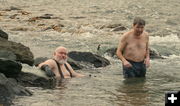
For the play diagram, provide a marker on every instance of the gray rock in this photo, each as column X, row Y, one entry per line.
column 32, row 80
column 39, row 60
column 9, row 88
column 14, row 8
column 154, row 54
column 3, row 34
column 111, row 52
column 46, row 16
column 119, row 28
column 113, row 25
column 7, row 55
column 23, row 53
column 75, row 65
column 89, row 57
column 10, row 68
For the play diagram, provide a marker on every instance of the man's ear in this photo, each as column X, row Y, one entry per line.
column 54, row 53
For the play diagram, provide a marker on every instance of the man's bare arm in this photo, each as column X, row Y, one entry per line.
column 120, row 49
column 47, row 67
column 121, row 46
column 47, row 62
column 74, row 74
column 147, row 56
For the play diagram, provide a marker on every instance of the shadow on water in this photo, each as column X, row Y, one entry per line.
column 57, row 83
column 61, row 84
column 133, row 92
column 44, row 96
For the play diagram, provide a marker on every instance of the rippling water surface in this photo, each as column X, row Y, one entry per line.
column 106, row 87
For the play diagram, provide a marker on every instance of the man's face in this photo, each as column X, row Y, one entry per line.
column 61, row 56
column 138, row 29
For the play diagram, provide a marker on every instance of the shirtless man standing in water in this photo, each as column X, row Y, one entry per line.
column 133, row 50
column 58, row 66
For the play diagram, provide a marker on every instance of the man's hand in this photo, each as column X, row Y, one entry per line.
column 127, row 64
column 147, row 62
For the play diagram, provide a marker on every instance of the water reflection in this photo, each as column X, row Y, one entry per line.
column 61, row 84
column 133, row 92
column 44, row 96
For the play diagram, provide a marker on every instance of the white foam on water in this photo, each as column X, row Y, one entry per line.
column 166, row 39
column 87, row 35
column 174, row 56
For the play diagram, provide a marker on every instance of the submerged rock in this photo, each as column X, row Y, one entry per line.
column 114, row 27
column 154, row 54
column 111, row 52
column 14, row 8
column 120, row 28
column 46, row 16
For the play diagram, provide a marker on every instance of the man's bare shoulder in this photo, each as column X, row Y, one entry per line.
column 68, row 65
column 126, row 35
column 146, row 34
column 49, row 62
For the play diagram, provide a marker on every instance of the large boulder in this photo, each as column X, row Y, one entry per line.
column 89, row 57
column 111, row 52
column 3, row 34
column 32, row 80
column 9, row 88
column 10, row 68
column 154, row 54
column 114, row 27
column 74, row 64
column 7, row 55
column 39, row 60
column 23, row 53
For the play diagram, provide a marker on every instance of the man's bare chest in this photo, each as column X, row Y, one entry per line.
column 136, row 44
column 62, row 70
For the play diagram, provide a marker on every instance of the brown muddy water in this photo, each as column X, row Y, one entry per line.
column 84, row 30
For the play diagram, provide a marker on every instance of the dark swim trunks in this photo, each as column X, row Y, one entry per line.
column 138, row 69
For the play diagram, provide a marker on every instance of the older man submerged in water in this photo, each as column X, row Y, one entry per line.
column 133, row 50
column 58, row 65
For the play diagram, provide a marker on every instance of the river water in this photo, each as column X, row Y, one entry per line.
column 83, row 21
